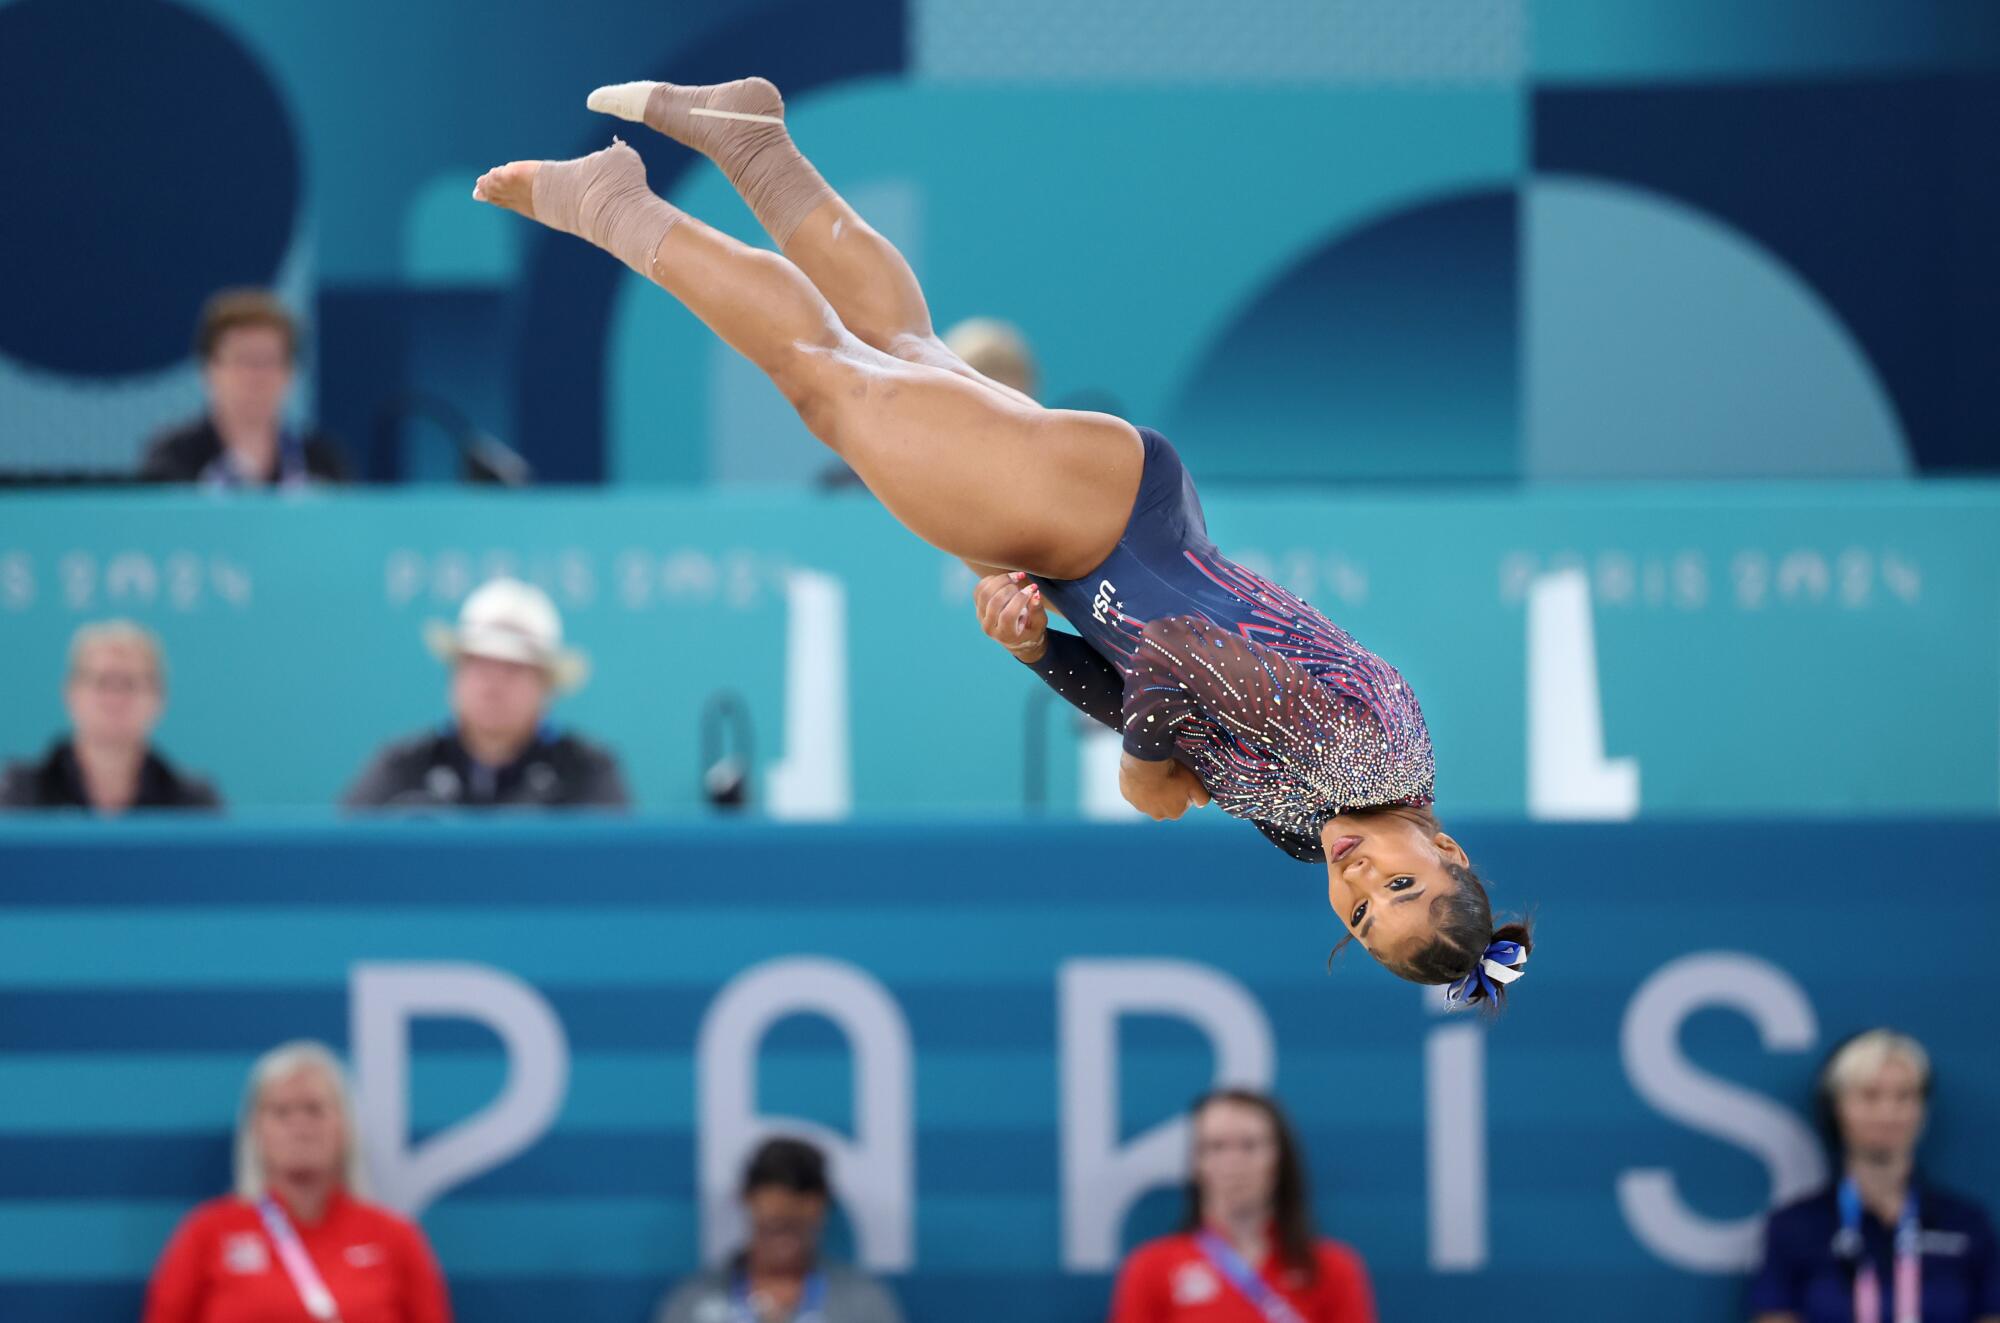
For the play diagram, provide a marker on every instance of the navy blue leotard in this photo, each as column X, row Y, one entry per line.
column 1284, row 717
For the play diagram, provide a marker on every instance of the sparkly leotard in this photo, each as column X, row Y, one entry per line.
column 1284, row 717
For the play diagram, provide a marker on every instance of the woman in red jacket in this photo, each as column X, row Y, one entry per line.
column 1246, row 1252
column 296, row 1243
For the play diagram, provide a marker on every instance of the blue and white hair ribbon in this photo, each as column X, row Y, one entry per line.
column 1502, row 964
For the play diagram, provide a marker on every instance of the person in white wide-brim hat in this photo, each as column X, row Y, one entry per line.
column 510, row 621
column 508, row 662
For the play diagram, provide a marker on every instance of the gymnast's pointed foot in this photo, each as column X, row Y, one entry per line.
column 510, row 186
column 601, row 197
column 723, row 121
column 741, row 127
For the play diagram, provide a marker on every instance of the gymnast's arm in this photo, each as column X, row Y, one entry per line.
column 1156, row 785
column 1012, row 613
column 1081, row 676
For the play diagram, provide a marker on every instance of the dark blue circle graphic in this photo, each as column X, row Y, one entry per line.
column 148, row 161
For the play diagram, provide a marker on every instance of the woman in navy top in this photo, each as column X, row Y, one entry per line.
column 1226, row 687
column 1880, row 1245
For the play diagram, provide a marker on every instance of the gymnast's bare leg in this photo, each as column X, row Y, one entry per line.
column 972, row 468
column 740, row 126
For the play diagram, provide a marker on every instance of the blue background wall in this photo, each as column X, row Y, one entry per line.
column 142, row 969
column 1415, row 239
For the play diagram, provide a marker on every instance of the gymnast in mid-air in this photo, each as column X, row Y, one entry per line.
column 1225, row 687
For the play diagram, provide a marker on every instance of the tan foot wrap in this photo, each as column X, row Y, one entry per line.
column 740, row 126
column 603, row 197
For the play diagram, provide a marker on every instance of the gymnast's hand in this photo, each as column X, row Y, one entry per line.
column 1012, row 613
column 1160, row 790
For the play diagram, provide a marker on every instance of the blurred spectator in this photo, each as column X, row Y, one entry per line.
column 296, row 1240
column 998, row 350
column 507, row 662
column 1882, row 1242
column 1246, row 1251
column 780, row 1275
column 248, row 345
column 115, row 693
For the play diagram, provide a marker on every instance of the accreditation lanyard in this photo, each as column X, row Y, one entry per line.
column 1909, row 1263
column 221, row 473
column 298, row 1265
column 1225, row 1260
column 810, row 1300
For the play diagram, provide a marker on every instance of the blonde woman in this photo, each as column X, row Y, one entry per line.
column 296, row 1242
column 1881, row 1244
column 116, row 693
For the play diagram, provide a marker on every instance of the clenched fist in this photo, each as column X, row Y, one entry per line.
column 1160, row 790
column 1012, row 613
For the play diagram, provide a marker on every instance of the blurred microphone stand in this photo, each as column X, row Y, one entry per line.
column 725, row 773
column 483, row 459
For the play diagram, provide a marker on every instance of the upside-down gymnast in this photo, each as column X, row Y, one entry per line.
column 1224, row 686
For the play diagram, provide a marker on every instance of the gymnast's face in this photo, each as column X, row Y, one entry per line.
column 1383, row 871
